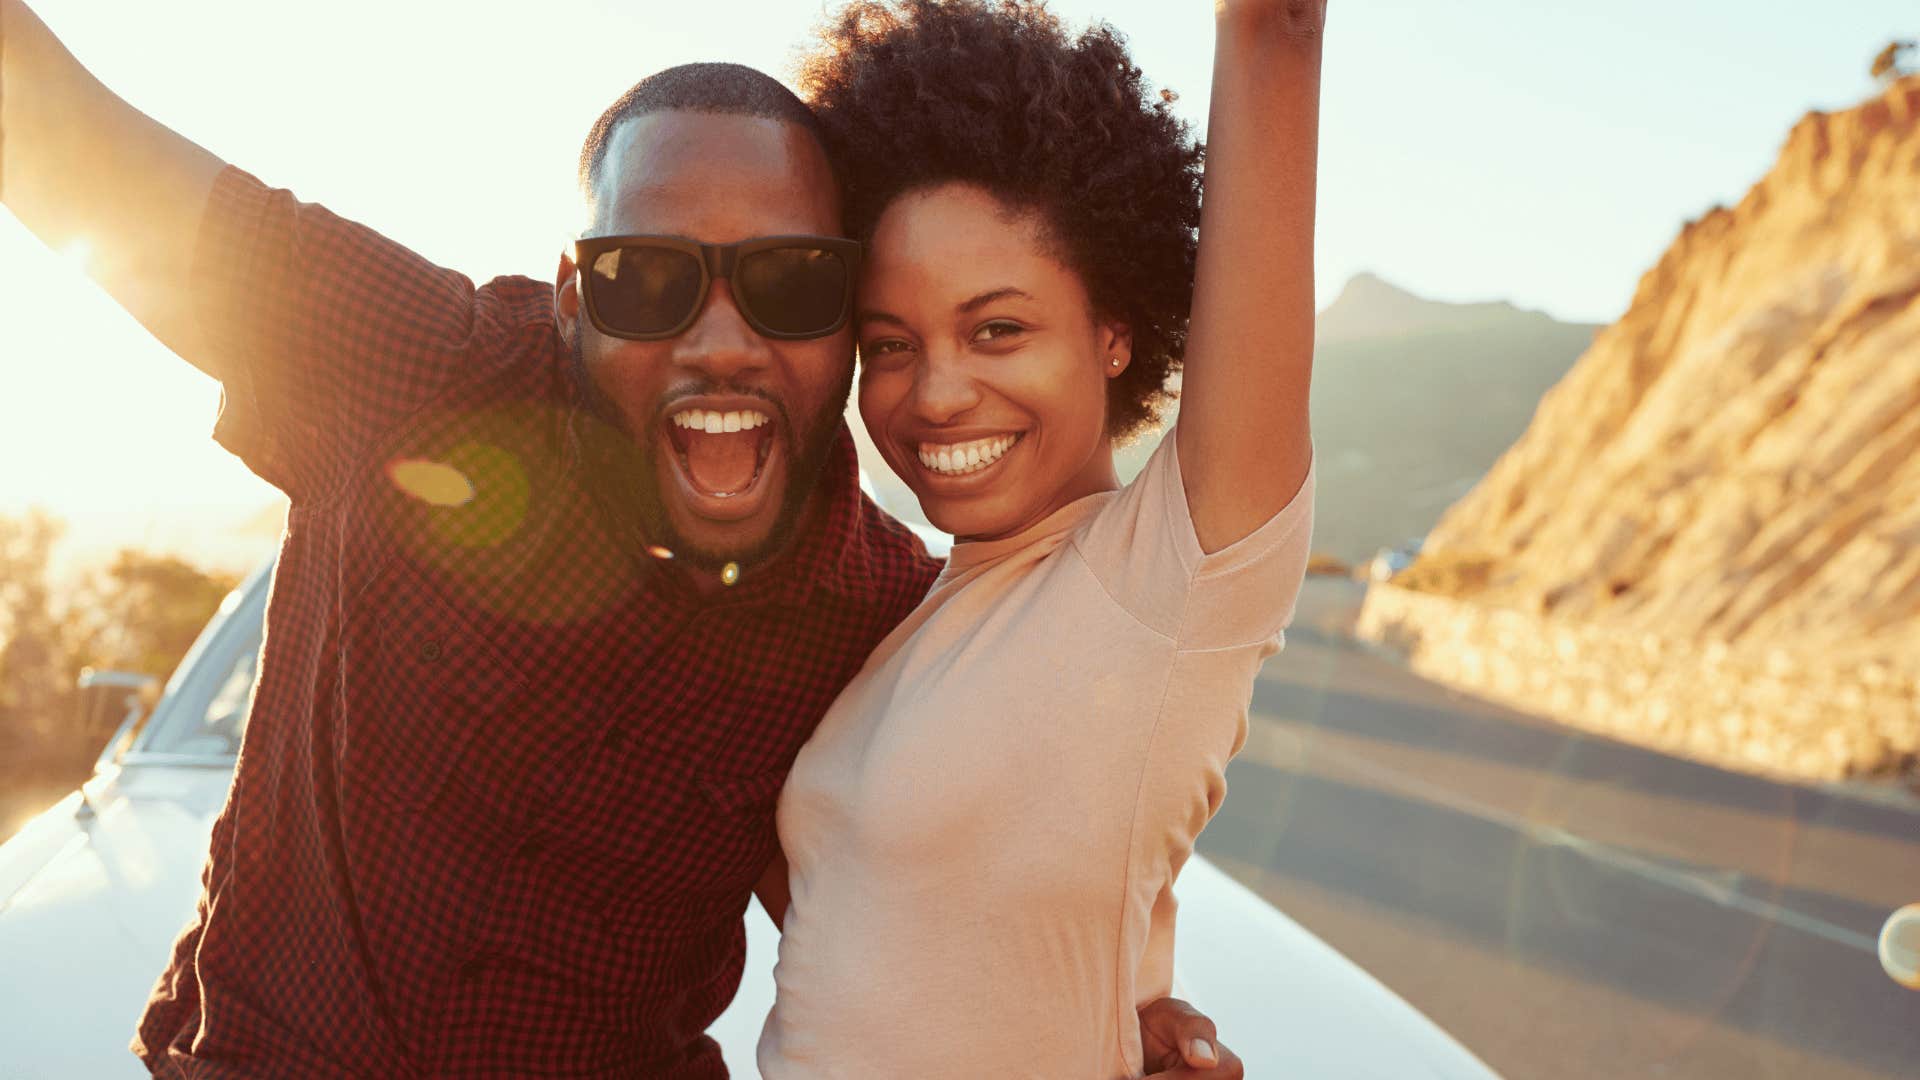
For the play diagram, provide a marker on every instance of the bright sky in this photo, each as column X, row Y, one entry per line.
column 1541, row 152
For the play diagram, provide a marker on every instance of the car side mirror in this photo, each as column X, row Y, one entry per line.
column 113, row 700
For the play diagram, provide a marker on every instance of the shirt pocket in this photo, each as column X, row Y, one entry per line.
column 741, row 837
column 437, row 719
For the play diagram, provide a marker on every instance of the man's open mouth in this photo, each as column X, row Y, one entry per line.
column 722, row 457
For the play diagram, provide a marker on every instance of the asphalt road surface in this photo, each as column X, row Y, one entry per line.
column 1565, row 905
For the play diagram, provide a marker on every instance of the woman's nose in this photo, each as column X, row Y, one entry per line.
column 943, row 390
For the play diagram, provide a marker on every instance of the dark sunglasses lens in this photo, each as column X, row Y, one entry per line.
column 644, row 290
column 797, row 290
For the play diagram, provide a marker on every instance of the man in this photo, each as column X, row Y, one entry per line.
column 571, row 572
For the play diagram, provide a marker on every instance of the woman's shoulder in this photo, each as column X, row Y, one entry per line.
column 1145, row 549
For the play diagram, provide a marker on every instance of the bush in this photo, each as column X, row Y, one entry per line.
column 139, row 613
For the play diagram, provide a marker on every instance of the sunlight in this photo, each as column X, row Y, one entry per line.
column 77, row 255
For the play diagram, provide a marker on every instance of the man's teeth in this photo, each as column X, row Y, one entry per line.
column 958, row 459
column 714, row 423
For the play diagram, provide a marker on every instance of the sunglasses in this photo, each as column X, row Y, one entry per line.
column 645, row 288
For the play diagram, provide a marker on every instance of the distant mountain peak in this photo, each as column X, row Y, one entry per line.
column 1367, row 285
column 1370, row 307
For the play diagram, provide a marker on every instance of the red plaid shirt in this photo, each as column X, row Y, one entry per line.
column 508, row 782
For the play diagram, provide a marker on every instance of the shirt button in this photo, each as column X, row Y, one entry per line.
column 430, row 650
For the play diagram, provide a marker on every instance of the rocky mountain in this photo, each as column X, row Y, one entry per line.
column 1739, row 455
column 1735, row 465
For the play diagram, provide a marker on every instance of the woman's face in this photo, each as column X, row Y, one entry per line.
column 984, row 369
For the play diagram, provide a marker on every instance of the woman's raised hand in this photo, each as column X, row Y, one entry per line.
column 1299, row 18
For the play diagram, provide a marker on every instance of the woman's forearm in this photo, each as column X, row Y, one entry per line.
column 1244, row 443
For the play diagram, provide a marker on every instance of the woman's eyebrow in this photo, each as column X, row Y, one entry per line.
column 867, row 315
column 988, row 297
column 870, row 315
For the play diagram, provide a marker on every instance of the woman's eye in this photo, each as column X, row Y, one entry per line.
column 997, row 329
column 889, row 348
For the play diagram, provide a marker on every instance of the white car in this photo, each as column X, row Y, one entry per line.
column 93, row 891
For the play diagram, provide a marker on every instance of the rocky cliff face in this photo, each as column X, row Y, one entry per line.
column 1738, row 458
column 1708, row 540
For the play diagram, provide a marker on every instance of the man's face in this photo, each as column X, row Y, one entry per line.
column 731, row 495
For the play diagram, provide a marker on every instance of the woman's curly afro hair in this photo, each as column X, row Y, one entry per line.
column 916, row 93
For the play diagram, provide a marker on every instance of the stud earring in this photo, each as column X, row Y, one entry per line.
column 1116, row 361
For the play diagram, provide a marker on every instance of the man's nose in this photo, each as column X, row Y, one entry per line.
column 943, row 389
column 720, row 345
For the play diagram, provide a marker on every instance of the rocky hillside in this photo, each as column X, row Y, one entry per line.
column 1736, row 462
column 1739, row 456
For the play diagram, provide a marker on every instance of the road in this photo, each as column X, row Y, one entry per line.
column 1569, row 906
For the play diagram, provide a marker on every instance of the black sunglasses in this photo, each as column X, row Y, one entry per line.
column 646, row 288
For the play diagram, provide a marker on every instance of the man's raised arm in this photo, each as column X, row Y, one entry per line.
column 77, row 162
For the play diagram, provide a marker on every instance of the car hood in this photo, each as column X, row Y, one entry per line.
column 90, row 902
column 92, row 893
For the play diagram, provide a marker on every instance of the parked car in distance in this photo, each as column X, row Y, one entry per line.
column 1390, row 561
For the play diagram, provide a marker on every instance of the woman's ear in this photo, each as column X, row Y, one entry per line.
column 1116, row 344
column 566, row 300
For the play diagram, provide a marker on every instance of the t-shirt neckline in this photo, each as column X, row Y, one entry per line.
column 970, row 553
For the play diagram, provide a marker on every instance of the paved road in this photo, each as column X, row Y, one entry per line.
column 1565, row 905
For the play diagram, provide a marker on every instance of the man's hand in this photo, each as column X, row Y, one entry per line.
column 1179, row 1042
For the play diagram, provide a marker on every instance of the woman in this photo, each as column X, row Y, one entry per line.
column 984, row 832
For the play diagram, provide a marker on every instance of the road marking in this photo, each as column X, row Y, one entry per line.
column 1720, row 889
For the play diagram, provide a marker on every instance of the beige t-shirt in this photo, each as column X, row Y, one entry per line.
column 985, row 829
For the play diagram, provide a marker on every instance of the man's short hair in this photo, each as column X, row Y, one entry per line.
column 733, row 89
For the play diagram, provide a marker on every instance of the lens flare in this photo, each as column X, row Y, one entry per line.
column 1900, row 946
column 435, row 483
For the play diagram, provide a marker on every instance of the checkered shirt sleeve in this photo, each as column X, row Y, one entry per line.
column 325, row 334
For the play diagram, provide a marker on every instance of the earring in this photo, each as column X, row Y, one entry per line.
column 1116, row 361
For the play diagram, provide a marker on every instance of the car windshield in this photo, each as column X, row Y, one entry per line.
column 204, row 712
column 216, row 729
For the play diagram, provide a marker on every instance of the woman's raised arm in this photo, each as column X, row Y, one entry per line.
column 1243, row 428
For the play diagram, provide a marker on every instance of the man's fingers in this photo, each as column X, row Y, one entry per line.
column 1229, row 1067
column 1196, row 1037
column 1172, row 1023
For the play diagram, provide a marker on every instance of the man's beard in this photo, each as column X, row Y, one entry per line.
column 625, row 468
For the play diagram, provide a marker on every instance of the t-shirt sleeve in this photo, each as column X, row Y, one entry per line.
column 1143, row 548
column 325, row 334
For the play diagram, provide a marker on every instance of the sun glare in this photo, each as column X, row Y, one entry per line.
column 78, row 255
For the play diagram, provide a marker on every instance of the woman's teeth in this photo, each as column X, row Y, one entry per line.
column 959, row 459
column 714, row 423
